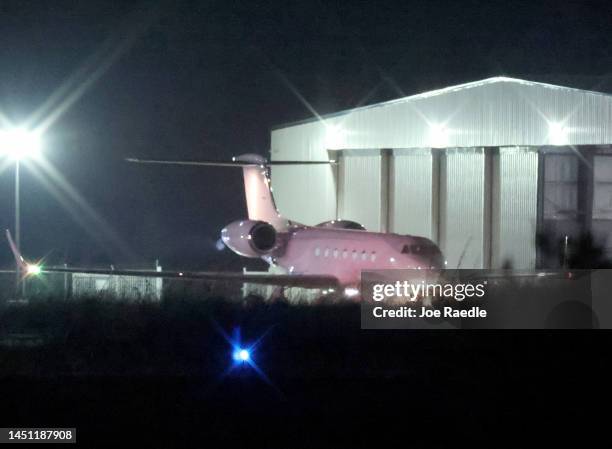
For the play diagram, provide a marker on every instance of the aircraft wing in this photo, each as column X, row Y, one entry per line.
column 526, row 274
column 284, row 280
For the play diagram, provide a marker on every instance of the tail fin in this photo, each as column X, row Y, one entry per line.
column 255, row 168
column 259, row 198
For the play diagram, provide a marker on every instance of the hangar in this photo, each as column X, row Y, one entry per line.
column 480, row 168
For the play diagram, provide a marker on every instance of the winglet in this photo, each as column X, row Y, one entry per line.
column 18, row 257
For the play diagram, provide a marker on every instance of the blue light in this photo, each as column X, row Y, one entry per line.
column 241, row 355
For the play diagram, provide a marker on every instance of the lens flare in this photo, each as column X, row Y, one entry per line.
column 19, row 143
column 351, row 292
column 242, row 355
column 33, row 270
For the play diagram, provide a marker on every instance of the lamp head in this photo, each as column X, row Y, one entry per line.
column 19, row 143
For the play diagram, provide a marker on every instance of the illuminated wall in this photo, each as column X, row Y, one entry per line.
column 460, row 165
column 362, row 189
column 413, row 192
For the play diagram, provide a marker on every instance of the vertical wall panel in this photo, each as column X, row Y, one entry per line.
column 463, row 208
column 515, row 208
column 413, row 193
column 306, row 194
column 360, row 189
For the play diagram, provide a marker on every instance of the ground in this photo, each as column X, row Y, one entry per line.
column 158, row 376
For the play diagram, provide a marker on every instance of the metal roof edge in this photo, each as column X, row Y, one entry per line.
column 436, row 92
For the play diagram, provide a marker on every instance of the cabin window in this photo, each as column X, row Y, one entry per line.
column 317, row 252
column 373, row 256
column 326, row 252
column 364, row 255
column 345, row 254
column 335, row 253
column 354, row 254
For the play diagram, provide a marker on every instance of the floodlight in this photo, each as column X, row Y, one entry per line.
column 33, row 270
column 438, row 135
column 335, row 137
column 19, row 143
column 557, row 133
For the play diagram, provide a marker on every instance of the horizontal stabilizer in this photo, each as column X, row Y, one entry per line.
column 234, row 163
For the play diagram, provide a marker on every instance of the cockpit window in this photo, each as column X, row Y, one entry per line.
column 406, row 249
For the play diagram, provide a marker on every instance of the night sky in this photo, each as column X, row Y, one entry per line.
column 209, row 79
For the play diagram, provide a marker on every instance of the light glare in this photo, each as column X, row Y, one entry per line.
column 19, row 144
column 33, row 270
column 335, row 137
column 219, row 245
column 438, row 135
column 350, row 292
column 557, row 133
column 242, row 355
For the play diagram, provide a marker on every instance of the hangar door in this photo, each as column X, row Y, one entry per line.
column 413, row 192
column 464, row 207
column 514, row 207
column 576, row 201
column 602, row 202
column 362, row 188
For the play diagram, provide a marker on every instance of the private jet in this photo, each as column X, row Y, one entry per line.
column 330, row 255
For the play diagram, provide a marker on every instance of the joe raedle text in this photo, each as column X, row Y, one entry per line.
column 428, row 312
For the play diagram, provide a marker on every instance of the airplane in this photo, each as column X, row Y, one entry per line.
column 330, row 255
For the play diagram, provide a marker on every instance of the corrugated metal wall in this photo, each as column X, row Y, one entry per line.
column 306, row 194
column 361, row 192
column 488, row 113
column 464, row 211
column 413, row 192
column 515, row 207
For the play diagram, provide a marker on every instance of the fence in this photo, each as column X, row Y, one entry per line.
column 125, row 287
column 292, row 294
column 65, row 285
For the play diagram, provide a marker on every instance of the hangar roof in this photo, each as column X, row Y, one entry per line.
column 497, row 111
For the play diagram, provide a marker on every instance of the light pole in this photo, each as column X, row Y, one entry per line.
column 19, row 144
column 18, row 232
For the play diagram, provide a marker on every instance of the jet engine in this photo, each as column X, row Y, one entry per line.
column 250, row 238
